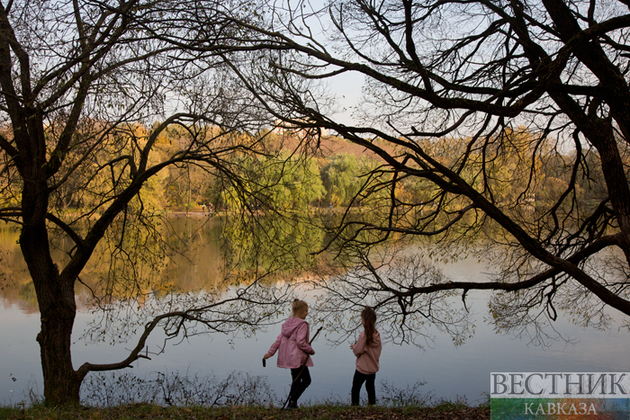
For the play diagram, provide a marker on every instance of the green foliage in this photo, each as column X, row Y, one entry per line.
column 340, row 178
column 283, row 183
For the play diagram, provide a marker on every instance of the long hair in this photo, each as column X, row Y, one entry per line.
column 299, row 305
column 369, row 323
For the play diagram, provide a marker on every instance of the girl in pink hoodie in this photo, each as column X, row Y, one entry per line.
column 294, row 350
column 368, row 351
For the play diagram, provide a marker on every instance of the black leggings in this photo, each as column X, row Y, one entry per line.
column 301, row 380
column 357, row 382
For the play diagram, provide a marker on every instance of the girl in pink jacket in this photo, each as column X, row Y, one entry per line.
column 294, row 350
column 368, row 351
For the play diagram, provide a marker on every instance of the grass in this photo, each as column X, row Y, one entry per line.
column 239, row 397
column 440, row 411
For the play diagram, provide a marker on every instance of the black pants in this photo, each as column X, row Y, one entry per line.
column 301, row 380
column 357, row 382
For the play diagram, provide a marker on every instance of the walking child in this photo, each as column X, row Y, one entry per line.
column 367, row 349
column 293, row 350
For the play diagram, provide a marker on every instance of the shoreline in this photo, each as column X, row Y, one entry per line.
column 442, row 411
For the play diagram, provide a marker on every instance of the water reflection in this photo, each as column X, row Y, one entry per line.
column 192, row 254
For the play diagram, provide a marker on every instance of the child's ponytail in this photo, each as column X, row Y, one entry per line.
column 369, row 323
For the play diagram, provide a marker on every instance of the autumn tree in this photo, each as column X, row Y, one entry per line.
column 89, row 89
column 340, row 177
column 512, row 85
column 277, row 185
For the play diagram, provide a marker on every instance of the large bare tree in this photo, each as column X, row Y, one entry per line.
column 94, row 108
column 506, row 119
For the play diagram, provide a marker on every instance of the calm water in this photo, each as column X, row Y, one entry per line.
column 449, row 371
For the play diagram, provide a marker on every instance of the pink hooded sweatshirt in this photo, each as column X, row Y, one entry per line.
column 368, row 356
column 293, row 344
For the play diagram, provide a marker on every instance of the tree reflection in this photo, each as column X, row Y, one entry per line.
column 190, row 275
column 388, row 279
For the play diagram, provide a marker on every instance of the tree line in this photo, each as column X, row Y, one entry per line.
column 284, row 181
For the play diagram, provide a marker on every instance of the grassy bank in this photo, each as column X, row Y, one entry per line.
column 319, row 412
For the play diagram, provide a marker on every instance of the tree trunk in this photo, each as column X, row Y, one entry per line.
column 55, row 297
column 61, row 383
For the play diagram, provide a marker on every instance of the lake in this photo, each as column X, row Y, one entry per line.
column 447, row 371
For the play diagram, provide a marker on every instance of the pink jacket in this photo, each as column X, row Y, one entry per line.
column 292, row 344
column 367, row 356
